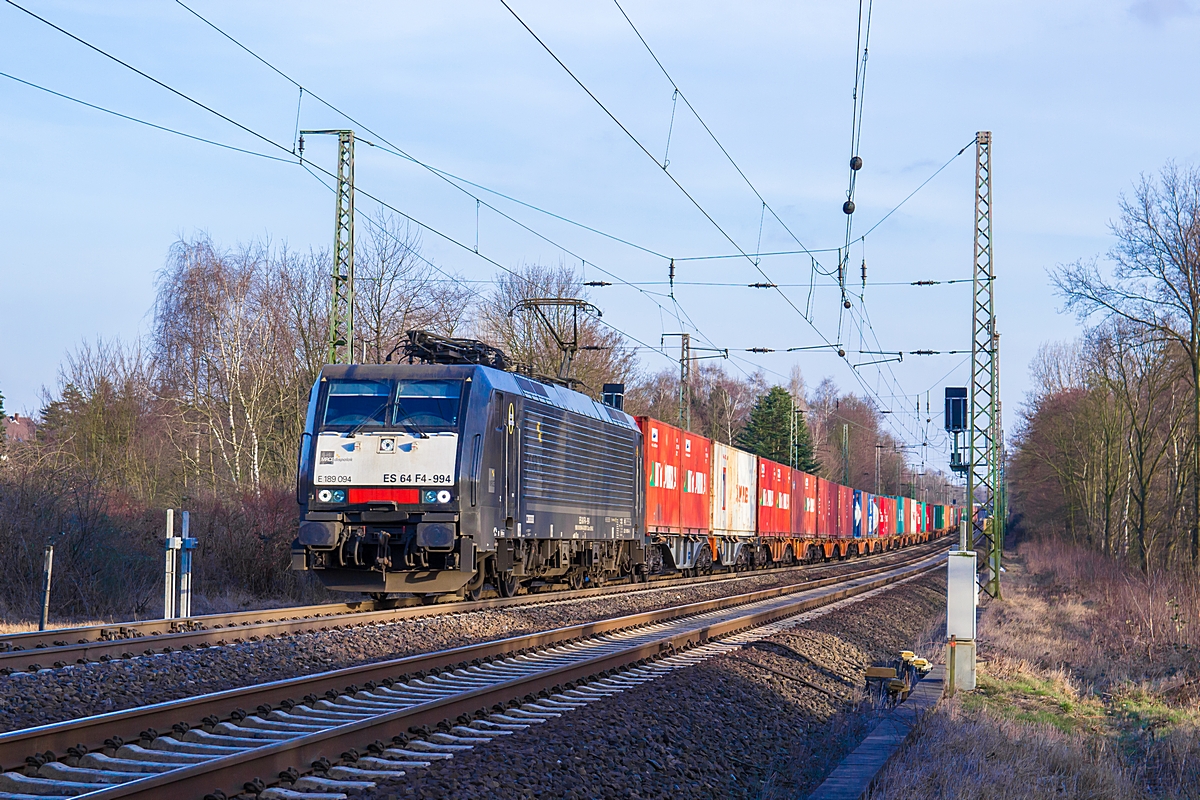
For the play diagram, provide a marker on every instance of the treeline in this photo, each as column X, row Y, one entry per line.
column 1106, row 452
column 205, row 413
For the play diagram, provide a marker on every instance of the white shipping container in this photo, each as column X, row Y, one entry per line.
column 734, row 480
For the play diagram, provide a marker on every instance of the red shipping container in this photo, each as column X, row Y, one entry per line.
column 695, row 466
column 661, row 451
column 929, row 517
column 845, row 512
column 774, row 498
column 804, row 503
column 826, row 508
column 887, row 516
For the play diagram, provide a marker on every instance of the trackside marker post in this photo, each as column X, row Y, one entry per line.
column 185, row 568
column 47, row 568
column 170, row 588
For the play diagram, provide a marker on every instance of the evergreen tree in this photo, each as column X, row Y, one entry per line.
column 768, row 433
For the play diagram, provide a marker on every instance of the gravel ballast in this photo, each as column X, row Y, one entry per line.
column 770, row 720
column 52, row 695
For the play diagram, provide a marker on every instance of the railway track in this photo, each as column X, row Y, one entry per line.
column 36, row 650
column 319, row 736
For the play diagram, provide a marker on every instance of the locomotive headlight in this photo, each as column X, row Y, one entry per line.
column 339, row 495
column 325, row 496
column 443, row 496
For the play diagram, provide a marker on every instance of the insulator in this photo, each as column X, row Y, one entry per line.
column 848, row 207
column 856, row 163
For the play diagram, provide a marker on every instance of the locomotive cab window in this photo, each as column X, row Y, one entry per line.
column 357, row 403
column 428, row 405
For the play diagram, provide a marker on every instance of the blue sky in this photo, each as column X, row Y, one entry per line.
column 1081, row 97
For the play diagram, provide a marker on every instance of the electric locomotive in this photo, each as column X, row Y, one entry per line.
column 432, row 478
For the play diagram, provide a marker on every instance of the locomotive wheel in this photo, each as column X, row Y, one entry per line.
column 508, row 584
column 474, row 589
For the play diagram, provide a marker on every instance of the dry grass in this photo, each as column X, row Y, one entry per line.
column 1089, row 686
column 24, row 626
column 982, row 755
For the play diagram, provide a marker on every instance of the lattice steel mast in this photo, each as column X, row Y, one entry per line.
column 984, row 473
column 341, row 301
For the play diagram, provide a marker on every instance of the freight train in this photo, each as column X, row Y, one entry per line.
column 434, row 478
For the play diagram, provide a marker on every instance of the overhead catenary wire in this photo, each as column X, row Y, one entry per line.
column 454, row 180
column 285, row 149
column 638, row 143
column 672, row 178
column 451, row 178
column 262, row 137
column 147, row 123
column 679, row 92
column 855, row 163
column 398, row 151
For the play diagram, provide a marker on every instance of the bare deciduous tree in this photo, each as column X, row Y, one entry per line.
column 1155, row 283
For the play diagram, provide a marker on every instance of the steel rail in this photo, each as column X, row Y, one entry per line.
column 231, row 773
column 40, row 640
column 129, row 724
column 194, row 632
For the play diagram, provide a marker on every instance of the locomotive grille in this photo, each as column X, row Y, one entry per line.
column 576, row 460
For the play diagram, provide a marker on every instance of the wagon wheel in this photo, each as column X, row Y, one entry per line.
column 575, row 578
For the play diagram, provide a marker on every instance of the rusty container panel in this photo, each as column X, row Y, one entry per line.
column 774, row 499
column 733, row 490
column 695, row 472
column 804, row 503
column 660, row 462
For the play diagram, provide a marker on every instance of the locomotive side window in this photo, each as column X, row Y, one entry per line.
column 428, row 404
column 361, row 403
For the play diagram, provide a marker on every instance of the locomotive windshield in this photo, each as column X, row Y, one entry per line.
column 424, row 405
column 428, row 404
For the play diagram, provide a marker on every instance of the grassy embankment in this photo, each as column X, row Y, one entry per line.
column 1089, row 687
